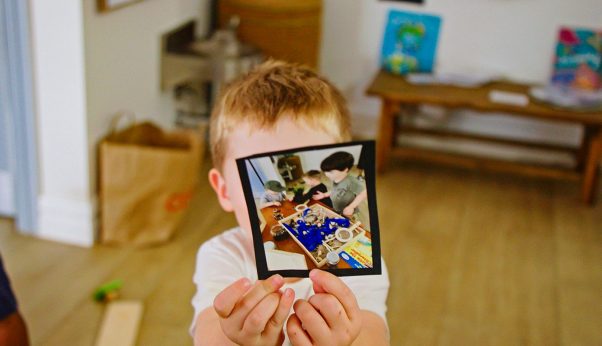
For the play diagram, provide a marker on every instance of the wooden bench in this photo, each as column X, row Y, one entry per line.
column 401, row 98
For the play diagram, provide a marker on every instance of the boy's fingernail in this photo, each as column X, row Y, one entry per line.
column 313, row 274
column 246, row 283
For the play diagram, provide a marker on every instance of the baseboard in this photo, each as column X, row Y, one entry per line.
column 67, row 221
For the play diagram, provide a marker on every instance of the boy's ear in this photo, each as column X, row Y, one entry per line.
column 218, row 183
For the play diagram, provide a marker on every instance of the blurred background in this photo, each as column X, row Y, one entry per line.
column 488, row 122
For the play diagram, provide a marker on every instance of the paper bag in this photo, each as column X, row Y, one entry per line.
column 146, row 180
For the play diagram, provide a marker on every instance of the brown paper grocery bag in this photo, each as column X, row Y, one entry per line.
column 147, row 178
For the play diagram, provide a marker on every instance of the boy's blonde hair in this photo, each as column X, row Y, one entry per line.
column 270, row 91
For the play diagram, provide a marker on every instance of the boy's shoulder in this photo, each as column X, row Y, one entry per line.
column 228, row 253
column 349, row 180
column 352, row 178
column 233, row 242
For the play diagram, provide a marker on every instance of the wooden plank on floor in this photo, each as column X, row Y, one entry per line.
column 120, row 323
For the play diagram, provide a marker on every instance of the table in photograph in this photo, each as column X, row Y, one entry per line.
column 401, row 98
column 288, row 208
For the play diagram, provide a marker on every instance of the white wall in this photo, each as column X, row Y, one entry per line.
column 122, row 50
column 65, row 205
column 87, row 67
column 267, row 168
column 511, row 38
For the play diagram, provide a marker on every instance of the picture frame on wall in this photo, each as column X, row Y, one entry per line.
column 112, row 5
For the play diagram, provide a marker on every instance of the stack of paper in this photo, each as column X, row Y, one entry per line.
column 282, row 260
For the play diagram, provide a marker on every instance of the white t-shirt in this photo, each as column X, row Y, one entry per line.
column 229, row 256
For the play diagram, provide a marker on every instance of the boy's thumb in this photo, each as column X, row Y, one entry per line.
column 315, row 276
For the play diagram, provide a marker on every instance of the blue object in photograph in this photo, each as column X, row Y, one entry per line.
column 351, row 261
column 410, row 42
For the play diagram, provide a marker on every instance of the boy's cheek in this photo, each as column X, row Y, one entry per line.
column 239, row 205
column 235, row 194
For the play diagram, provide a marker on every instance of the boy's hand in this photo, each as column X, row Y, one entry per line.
column 348, row 211
column 254, row 314
column 318, row 196
column 277, row 204
column 330, row 317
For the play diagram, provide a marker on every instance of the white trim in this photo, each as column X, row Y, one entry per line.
column 67, row 220
column 65, row 211
column 7, row 203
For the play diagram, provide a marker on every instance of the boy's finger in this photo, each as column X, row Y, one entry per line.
column 313, row 322
column 295, row 332
column 275, row 324
column 330, row 308
column 325, row 282
column 317, row 285
column 258, row 318
column 256, row 294
column 225, row 301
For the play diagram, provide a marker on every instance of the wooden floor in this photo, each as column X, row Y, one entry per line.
column 474, row 259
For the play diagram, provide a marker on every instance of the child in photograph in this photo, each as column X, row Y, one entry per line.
column 277, row 106
column 273, row 194
column 313, row 179
column 347, row 191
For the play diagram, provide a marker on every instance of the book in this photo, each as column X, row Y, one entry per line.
column 578, row 59
column 359, row 253
column 410, row 42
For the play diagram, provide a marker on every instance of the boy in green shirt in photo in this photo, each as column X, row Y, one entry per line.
column 347, row 191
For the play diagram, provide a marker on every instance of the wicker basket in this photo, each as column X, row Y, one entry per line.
column 282, row 29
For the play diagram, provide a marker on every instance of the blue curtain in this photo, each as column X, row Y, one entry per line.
column 16, row 96
column 4, row 99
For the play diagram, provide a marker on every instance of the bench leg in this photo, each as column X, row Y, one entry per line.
column 591, row 165
column 386, row 130
column 583, row 151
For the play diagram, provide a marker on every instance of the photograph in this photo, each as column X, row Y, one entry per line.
column 313, row 207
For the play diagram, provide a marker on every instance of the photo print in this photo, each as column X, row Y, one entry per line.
column 313, row 207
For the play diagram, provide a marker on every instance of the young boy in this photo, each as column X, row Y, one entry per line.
column 347, row 191
column 273, row 195
column 277, row 106
column 313, row 179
